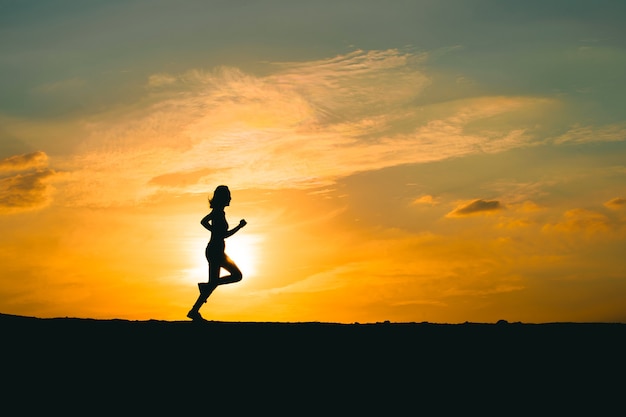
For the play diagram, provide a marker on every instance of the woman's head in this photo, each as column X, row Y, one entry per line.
column 221, row 197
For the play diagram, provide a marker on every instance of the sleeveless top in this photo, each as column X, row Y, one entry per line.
column 219, row 227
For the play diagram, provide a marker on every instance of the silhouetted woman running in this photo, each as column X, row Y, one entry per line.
column 216, row 223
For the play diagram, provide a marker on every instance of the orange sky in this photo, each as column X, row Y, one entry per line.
column 470, row 168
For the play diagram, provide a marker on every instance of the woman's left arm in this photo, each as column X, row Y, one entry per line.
column 235, row 229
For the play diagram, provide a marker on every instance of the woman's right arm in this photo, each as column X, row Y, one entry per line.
column 205, row 222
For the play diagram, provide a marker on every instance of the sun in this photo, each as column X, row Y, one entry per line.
column 242, row 249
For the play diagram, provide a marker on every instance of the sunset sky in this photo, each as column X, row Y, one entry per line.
column 441, row 161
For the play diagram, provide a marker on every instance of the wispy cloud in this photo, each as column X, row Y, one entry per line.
column 581, row 221
column 160, row 80
column 181, row 179
column 585, row 134
column 354, row 85
column 304, row 125
column 426, row 199
column 518, row 192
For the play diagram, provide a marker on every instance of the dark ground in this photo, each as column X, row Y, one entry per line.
column 83, row 366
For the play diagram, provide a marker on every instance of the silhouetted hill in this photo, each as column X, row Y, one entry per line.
column 306, row 368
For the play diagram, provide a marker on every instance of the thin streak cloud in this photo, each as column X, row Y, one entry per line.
column 616, row 203
column 586, row 134
column 476, row 207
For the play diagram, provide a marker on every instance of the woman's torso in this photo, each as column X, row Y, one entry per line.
column 219, row 227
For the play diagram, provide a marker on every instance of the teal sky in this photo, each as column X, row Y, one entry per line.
column 470, row 153
column 108, row 47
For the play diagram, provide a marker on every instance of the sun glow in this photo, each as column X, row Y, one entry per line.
column 243, row 249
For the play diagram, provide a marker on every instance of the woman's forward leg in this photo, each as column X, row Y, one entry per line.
column 235, row 273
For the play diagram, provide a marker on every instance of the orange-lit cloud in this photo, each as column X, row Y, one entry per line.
column 425, row 199
column 27, row 184
column 25, row 191
column 585, row 134
column 181, row 179
column 305, row 125
column 476, row 207
column 581, row 220
column 617, row 203
column 25, row 161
